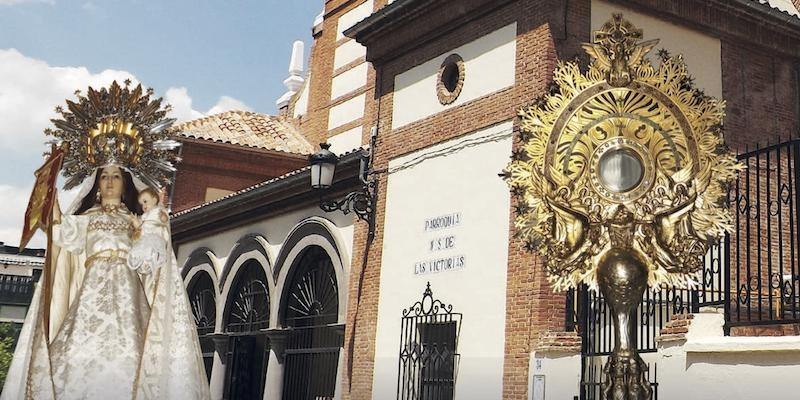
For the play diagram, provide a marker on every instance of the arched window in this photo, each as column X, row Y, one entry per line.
column 313, row 293
column 246, row 314
column 311, row 311
column 248, row 302
column 202, row 299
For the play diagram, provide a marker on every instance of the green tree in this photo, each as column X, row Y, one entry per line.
column 8, row 337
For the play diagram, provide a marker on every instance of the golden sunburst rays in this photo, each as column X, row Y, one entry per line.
column 116, row 125
column 653, row 115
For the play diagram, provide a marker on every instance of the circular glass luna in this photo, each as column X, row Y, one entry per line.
column 620, row 170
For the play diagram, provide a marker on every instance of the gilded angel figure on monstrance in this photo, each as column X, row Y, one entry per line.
column 101, row 326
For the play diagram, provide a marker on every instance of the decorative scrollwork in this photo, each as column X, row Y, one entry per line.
column 250, row 307
column 787, row 291
column 313, row 297
column 625, row 107
column 428, row 305
column 359, row 202
column 204, row 310
column 743, row 295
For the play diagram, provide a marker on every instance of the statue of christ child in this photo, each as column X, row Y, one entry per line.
column 149, row 250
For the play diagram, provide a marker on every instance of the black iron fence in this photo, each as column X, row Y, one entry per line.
column 762, row 273
column 753, row 273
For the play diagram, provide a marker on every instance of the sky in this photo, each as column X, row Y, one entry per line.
column 203, row 57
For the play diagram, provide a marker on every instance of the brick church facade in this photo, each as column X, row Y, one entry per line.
column 432, row 88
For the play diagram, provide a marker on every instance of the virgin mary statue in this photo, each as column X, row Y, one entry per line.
column 98, row 326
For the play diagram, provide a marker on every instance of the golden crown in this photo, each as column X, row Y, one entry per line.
column 116, row 126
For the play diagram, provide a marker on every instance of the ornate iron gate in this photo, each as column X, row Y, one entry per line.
column 315, row 340
column 754, row 273
column 428, row 364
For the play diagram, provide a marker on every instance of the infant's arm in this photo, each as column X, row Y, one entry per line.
column 162, row 216
column 136, row 224
column 135, row 221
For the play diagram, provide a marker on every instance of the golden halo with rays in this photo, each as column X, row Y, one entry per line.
column 116, row 125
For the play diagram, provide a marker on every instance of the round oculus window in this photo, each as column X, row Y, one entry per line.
column 451, row 79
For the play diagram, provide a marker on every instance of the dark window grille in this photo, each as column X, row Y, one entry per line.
column 428, row 363
column 16, row 289
column 249, row 308
column 247, row 367
column 314, row 340
column 246, row 314
column 202, row 299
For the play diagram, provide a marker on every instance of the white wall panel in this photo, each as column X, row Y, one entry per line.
column 347, row 52
column 347, row 141
column 345, row 112
column 353, row 16
column 454, row 177
column 489, row 64
column 350, row 80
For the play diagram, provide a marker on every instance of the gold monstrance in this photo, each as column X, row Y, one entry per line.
column 620, row 181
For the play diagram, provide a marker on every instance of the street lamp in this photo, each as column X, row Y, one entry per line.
column 361, row 201
column 323, row 164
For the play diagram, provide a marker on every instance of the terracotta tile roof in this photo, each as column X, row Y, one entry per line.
column 249, row 129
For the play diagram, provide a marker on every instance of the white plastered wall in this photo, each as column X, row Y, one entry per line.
column 553, row 375
column 346, row 142
column 347, row 111
column 489, row 65
column 347, row 52
column 726, row 367
column 700, row 51
column 350, row 80
column 352, row 17
column 457, row 176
